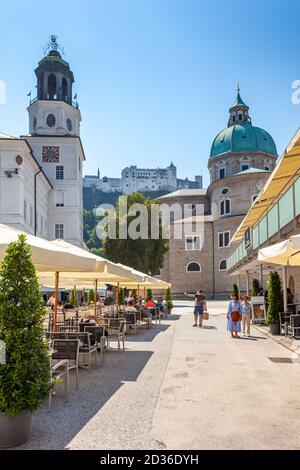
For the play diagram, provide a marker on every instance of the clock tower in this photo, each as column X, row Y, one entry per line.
column 54, row 135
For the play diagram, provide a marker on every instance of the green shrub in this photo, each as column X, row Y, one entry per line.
column 25, row 379
column 235, row 291
column 72, row 297
column 275, row 298
column 169, row 298
column 135, row 295
column 109, row 301
column 121, row 296
column 255, row 287
column 149, row 295
column 91, row 298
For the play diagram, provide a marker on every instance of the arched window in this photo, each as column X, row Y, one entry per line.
column 225, row 207
column 64, row 89
column 223, row 265
column 222, row 172
column 193, row 267
column 52, row 87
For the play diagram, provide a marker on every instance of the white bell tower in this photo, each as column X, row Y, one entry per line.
column 54, row 127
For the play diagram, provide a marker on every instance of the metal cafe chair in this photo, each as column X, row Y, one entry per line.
column 119, row 335
column 67, row 349
column 294, row 327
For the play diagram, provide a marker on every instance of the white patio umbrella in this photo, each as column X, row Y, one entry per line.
column 51, row 257
column 105, row 271
column 147, row 282
column 286, row 253
column 45, row 255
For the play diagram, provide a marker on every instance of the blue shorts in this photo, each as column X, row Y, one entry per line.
column 198, row 310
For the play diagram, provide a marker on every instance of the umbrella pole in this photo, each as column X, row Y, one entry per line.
column 261, row 276
column 138, row 293
column 239, row 284
column 118, row 297
column 248, row 282
column 96, row 291
column 56, row 301
column 75, row 302
column 285, row 300
column 75, row 296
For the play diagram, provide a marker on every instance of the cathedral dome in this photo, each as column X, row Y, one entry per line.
column 240, row 135
column 243, row 138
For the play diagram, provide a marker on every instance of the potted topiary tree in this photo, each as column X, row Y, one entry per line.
column 235, row 291
column 168, row 301
column 149, row 295
column 25, row 376
column 91, row 298
column 72, row 297
column 109, row 300
column 255, row 288
column 275, row 303
column 121, row 296
column 135, row 295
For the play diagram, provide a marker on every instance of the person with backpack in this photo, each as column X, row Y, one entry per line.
column 234, row 317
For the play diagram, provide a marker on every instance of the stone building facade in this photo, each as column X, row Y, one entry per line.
column 241, row 159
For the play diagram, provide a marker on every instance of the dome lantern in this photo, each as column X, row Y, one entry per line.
column 239, row 111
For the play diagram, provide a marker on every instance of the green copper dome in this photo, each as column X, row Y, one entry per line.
column 240, row 135
column 243, row 138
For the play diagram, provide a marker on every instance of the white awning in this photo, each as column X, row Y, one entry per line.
column 286, row 253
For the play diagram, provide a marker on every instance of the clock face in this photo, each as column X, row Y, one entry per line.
column 50, row 154
column 19, row 159
column 69, row 124
column 51, row 120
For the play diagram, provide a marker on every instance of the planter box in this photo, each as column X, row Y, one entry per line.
column 274, row 328
column 14, row 430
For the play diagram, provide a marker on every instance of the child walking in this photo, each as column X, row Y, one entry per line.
column 246, row 315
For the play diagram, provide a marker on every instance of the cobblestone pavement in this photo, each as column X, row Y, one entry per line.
column 178, row 387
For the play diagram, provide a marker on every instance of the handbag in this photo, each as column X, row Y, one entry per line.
column 205, row 315
column 235, row 316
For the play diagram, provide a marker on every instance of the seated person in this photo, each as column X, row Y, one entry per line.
column 160, row 304
column 150, row 304
column 130, row 307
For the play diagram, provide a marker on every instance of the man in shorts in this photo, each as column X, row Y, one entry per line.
column 200, row 306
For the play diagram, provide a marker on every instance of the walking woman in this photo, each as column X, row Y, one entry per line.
column 234, row 317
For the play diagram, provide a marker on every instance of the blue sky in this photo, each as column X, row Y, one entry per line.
column 155, row 78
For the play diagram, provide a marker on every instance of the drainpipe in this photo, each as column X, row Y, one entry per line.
column 35, row 201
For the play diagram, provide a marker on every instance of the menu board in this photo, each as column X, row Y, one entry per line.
column 258, row 309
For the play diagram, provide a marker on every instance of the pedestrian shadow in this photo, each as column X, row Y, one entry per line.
column 209, row 327
column 252, row 338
